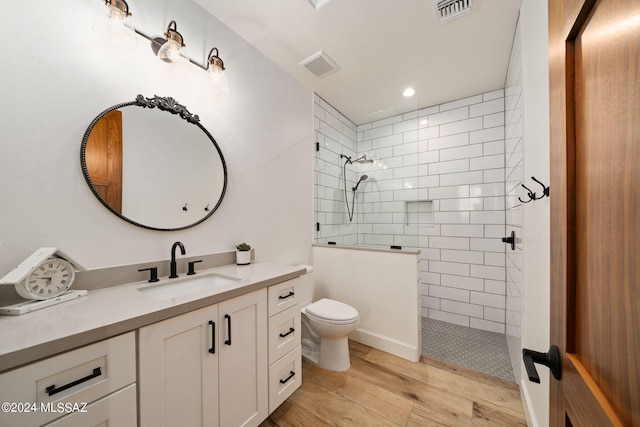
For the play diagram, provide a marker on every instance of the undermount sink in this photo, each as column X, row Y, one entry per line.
column 171, row 288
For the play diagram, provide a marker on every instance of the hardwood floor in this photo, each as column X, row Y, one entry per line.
column 384, row 390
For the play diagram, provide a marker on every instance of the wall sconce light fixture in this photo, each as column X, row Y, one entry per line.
column 216, row 78
column 111, row 24
column 171, row 50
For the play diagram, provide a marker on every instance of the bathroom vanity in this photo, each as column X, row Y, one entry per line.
column 226, row 355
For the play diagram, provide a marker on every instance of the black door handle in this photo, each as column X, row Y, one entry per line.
column 212, row 350
column 551, row 360
column 228, row 340
column 511, row 240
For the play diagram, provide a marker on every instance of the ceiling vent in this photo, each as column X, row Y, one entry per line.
column 451, row 9
column 320, row 64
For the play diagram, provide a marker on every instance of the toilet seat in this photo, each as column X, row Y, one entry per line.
column 331, row 311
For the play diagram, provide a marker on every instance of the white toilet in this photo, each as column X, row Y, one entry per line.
column 325, row 326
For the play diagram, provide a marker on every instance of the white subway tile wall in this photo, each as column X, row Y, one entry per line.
column 438, row 185
column 514, row 121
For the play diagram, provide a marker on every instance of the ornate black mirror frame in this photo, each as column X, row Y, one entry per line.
column 169, row 105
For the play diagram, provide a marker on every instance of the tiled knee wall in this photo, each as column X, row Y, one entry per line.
column 437, row 184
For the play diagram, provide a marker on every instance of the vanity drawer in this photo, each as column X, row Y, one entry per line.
column 117, row 409
column 285, row 376
column 282, row 296
column 284, row 333
column 79, row 376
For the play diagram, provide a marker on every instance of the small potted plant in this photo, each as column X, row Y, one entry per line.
column 243, row 254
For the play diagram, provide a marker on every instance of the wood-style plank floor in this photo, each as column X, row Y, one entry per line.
column 384, row 390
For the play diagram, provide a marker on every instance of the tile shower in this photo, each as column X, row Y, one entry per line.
column 438, row 185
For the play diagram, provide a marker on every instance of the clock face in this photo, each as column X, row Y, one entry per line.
column 52, row 277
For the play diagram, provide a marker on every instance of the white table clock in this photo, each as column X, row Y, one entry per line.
column 44, row 278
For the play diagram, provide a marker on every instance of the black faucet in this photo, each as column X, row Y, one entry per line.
column 174, row 274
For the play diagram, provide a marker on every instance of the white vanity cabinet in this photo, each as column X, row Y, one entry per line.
column 243, row 360
column 207, row 367
column 178, row 370
column 285, row 355
column 89, row 386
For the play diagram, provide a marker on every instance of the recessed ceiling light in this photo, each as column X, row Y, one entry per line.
column 409, row 92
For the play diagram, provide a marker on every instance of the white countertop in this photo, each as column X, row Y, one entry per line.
column 112, row 311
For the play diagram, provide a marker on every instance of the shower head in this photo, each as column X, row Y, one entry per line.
column 363, row 159
column 362, row 178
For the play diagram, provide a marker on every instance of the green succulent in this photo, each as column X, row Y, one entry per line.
column 243, row 247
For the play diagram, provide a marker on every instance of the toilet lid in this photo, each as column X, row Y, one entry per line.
column 332, row 310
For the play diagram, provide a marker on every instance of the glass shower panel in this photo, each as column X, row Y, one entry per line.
column 365, row 176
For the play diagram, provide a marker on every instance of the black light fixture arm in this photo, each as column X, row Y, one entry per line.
column 173, row 34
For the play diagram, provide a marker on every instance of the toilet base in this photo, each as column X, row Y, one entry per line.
column 310, row 351
column 334, row 354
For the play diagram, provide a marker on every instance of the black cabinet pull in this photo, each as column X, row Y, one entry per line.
column 228, row 340
column 212, row 350
column 291, row 330
column 291, row 375
column 51, row 390
column 290, row 294
column 551, row 360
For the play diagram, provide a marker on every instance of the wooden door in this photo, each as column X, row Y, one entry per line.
column 594, row 52
column 104, row 159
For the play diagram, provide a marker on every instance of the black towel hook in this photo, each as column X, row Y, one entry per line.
column 545, row 189
column 184, row 208
column 532, row 195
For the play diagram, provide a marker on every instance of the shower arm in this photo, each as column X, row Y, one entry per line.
column 362, row 159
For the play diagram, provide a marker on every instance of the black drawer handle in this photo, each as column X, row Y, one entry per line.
column 290, row 294
column 291, row 375
column 212, row 350
column 228, row 340
column 291, row 330
column 51, row 390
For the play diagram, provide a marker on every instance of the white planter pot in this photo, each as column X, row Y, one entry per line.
column 243, row 257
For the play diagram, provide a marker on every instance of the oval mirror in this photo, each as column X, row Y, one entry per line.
column 153, row 164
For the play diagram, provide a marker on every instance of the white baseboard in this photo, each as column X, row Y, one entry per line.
column 526, row 404
column 389, row 345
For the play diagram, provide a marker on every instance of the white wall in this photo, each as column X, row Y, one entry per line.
column 57, row 76
column 536, row 307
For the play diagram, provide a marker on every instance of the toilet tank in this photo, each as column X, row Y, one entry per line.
column 307, row 287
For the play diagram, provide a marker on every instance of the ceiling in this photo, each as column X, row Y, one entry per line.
column 381, row 47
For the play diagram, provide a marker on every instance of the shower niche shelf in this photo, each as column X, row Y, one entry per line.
column 419, row 212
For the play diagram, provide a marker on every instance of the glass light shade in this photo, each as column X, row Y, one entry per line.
column 216, row 80
column 111, row 26
column 171, row 53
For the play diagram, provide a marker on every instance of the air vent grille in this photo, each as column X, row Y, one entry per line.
column 320, row 64
column 450, row 9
